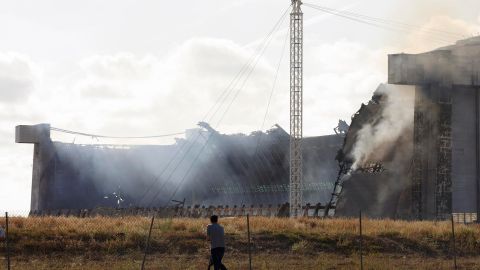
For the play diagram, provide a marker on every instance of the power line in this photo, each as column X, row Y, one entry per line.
column 231, row 102
column 383, row 23
column 272, row 90
column 249, row 69
column 256, row 154
column 220, row 100
column 245, row 67
column 227, row 91
column 114, row 137
column 221, row 118
column 262, row 47
column 391, row 22
column 157, row 178
column 188, row 171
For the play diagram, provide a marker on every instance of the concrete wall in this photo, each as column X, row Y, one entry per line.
column 43, row 162
column 424, row 153
column 446, row 176
column 464, row 149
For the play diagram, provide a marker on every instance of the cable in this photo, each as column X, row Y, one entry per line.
column 383, row 23
column 272, row 91
column 374, row 23
column 114, row 137
column 256, row 154
column 187, row 173
column 263, row 47
column 235, row 96
column 155, row 181
column 387, row 21
column 219, row 100
column 228, row 107
column 248, row 76
column 226, row 91
column 244, row 81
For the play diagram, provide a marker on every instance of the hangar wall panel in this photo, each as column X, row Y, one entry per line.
column 464, row 160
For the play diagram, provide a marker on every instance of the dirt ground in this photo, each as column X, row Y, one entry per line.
column 240, row 261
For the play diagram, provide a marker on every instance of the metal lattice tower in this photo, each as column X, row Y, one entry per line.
column 296, row 108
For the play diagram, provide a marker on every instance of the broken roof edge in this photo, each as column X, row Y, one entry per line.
column 471, row 41
column 40, row 133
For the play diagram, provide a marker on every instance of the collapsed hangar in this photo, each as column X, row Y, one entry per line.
column 206, row 167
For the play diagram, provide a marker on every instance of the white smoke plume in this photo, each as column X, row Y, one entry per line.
column 376, row 139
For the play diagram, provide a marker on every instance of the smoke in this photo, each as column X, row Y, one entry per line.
column 380, row 133
column 204, row 168
column 377, row 138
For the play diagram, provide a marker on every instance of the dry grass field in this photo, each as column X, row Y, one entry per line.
column 117, row 243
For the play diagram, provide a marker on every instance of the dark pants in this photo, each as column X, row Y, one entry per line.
column 216, row 258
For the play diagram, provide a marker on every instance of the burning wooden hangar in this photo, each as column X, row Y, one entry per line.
column 206, row 168
column 432, row 169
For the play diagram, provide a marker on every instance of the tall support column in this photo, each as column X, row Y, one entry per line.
column 443, row 187
column 296, row 108
column 420, row 132
column 432, row 153
column 43, row 162
column 477, row 149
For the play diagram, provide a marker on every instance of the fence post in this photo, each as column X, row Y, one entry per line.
column 361, row 240
column 454, row 248
column 249, row 247
column 7, row 246
column 148, row 243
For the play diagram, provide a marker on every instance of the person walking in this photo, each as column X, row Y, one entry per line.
column 216, row 236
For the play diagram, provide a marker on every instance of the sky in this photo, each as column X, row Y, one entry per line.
column 133, row 68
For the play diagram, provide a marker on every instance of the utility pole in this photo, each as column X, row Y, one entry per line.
column 296, row 108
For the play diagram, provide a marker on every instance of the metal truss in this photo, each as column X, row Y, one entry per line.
column 296, row 108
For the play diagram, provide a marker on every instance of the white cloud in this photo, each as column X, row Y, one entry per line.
column 17, row 77
column 339, row 76
column 125, row 66
column 201, row 70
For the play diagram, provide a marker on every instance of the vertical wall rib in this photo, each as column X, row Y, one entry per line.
column 419, row 134
column 443, row 187
column 477, row 150
column 432, row 156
